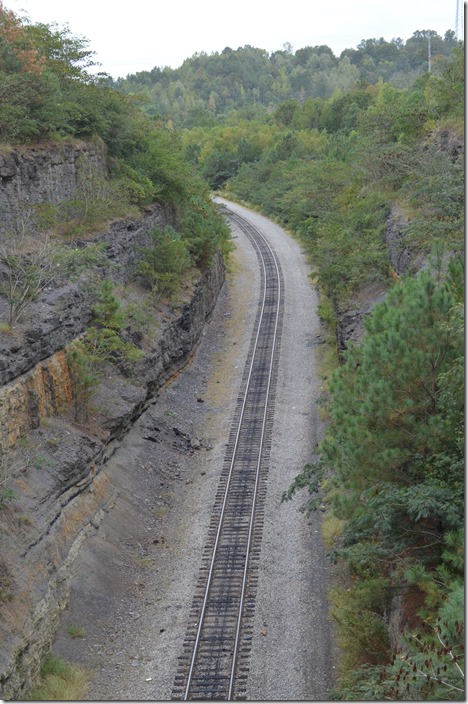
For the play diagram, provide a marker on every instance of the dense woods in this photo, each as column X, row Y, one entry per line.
column 254, row 82
column 333, row 148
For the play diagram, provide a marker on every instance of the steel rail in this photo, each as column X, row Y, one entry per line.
column 260, row 451
column 254, row 235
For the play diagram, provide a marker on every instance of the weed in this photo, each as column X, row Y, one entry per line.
column 332, row 529
column 6, row 582
column 160, row 511
column 76, row 632
column 60, row 681
column 144, row 562
column 41, row 462
column 326, row 310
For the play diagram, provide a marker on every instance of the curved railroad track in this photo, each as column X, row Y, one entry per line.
column 216, row 649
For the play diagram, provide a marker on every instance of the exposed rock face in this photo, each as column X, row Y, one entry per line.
column 60, row 492
column 398, row 252
column 64, row 496
column 350, row 319
column 403, row 615
column 42, row 174
column 40, row 393
column 451, row 142
column 63, row 312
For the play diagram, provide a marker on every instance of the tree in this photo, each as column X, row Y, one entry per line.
column 163, row 261
column 27, row 271
column 284, row 114
column 447, row 90
column 386, row 408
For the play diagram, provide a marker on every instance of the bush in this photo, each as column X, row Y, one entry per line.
column 203, row 230
column 162, row 263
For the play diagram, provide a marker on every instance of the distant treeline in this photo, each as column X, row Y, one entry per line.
column 209, row 86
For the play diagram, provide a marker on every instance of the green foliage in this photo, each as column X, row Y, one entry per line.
column 37, row 64
column 162, row 263
column 102, row 343
column 331, row 169
column 311, row 478
column 430, row 667
column 76, row 631
column 83, row 377
column 106, row 311
column 436, row 193
column 446, row 91
column 203, row 230
column 45, row 91
column 359, row 612
column 387, row 396
column 60, row 681
column 395, row 447
column 6, row 495
column 218, row 167
column 207, row 89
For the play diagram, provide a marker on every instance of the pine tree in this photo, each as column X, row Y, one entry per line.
column 386, row 408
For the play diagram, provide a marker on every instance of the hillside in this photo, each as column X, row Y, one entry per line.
column 110, row 264
column 249, row 79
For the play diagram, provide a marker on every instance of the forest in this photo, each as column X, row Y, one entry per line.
column 252, row 81
column 333, row 148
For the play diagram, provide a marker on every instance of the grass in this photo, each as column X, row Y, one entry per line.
column 143, row 562
column 76, row 632
column 160, row 511
column 6, row 582
column 332, row 528
column 60, row 681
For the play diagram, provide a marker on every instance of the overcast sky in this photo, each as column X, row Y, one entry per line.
column 139, row 34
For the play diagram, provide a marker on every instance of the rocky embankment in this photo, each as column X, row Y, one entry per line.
column 42, row 174
column 403, row 260
column 50, row 462
column 350, row 316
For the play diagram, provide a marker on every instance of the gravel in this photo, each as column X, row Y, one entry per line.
column 136, row 576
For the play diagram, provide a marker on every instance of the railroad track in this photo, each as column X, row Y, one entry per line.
column 216, row 649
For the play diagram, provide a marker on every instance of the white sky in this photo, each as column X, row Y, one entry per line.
column 141, row 34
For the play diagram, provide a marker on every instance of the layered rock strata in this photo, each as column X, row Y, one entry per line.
column 42, row 174
column 61, row 495
column 52, row 464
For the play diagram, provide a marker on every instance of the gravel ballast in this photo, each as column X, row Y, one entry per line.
column 136, row 576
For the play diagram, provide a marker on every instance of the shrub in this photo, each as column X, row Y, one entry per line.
column 162, row 263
